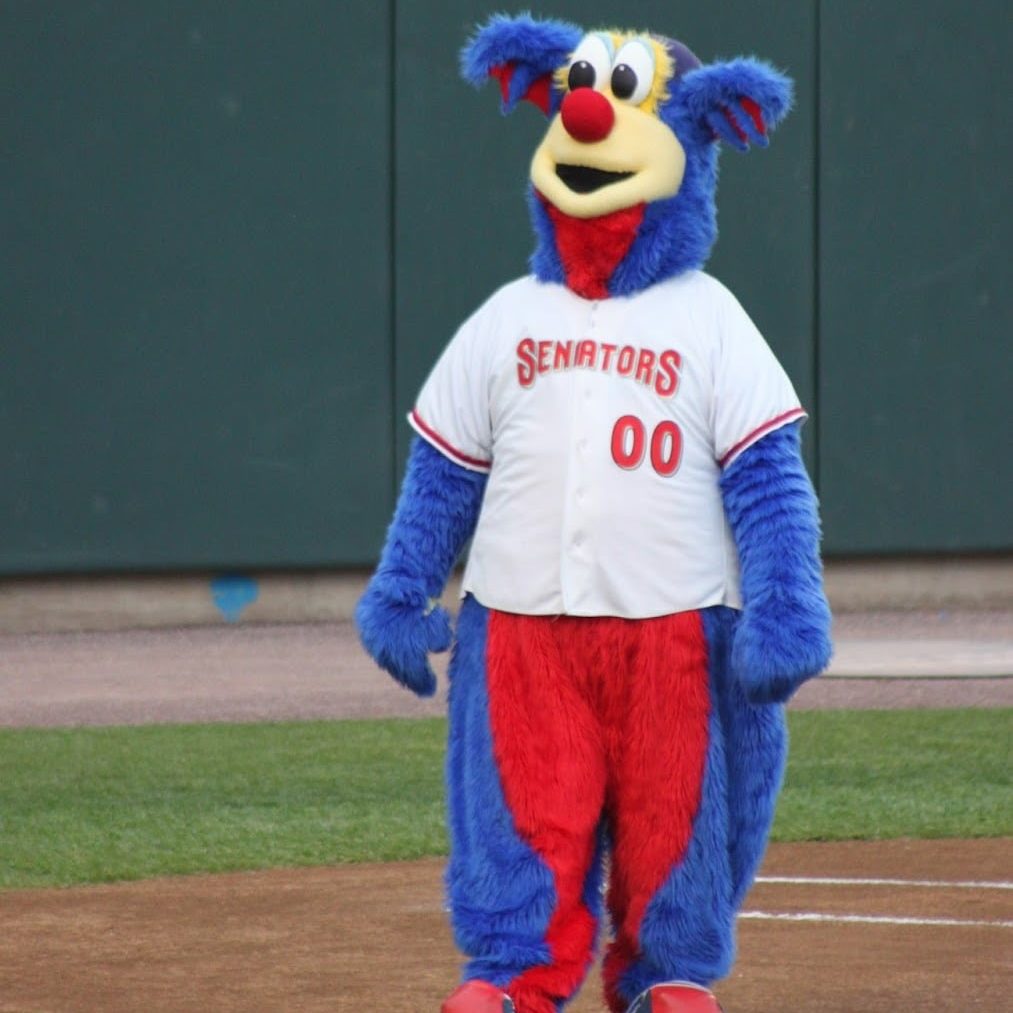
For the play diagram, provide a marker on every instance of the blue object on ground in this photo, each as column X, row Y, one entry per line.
column 232, row 593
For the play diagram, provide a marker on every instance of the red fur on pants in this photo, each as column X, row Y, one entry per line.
column 591, row 718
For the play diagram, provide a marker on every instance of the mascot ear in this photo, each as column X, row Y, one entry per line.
column 739, row 101
column 523, row 54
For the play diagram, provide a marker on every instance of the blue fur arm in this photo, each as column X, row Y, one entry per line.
column 398, row 620
column 783, row 636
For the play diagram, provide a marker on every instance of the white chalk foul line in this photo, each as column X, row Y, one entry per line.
column 812, row 916
column 843, row 881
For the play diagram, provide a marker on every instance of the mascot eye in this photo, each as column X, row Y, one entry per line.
column 591, row 63
column 581, row 76
column 633, row 72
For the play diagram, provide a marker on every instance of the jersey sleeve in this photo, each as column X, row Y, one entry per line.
column 752, row 393
column 452, row 409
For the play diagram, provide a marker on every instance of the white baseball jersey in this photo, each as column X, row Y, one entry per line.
column 604, row 426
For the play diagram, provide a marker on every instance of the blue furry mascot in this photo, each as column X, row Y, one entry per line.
column 643, row 590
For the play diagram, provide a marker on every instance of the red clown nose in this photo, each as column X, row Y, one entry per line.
column 587, row 115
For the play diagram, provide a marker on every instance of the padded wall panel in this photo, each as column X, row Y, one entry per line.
column 915, row 359
column 194, row 274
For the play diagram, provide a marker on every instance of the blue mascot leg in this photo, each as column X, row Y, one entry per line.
column 501, row 893
column 525, row 785
column 688, row 928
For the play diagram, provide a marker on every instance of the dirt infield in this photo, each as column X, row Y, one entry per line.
column 374, row 938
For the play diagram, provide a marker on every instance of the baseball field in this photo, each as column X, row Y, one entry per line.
column 251, row 818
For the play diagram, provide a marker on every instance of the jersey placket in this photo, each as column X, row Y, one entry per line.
column 577, row 549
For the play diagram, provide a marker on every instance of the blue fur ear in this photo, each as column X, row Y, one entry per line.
column 523, row 54
column 739, row 101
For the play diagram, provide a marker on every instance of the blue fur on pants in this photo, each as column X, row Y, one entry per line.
column 501, row 893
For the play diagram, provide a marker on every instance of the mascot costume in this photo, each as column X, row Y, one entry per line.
column 643, row 589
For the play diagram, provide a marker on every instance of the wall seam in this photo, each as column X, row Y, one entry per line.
column 392, row 238
column 817, row 252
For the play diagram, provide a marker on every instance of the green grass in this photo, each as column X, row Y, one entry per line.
column 91, row 805
column 881, row 774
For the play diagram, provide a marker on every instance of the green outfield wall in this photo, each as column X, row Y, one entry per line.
column 235, row 236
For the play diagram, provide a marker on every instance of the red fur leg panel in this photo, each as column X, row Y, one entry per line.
column 593, row 715
column 656, row 743
column 549, row 752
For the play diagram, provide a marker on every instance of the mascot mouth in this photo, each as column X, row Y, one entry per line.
column 584, row 179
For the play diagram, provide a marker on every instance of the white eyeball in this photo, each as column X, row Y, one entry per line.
column 591, row 63
column 633, row 72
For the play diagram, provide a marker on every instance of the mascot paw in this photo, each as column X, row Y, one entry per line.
column 399, row 626
column 779, row 644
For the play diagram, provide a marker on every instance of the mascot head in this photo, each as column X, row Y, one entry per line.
column 622, row 186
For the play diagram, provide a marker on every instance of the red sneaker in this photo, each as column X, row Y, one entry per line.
column 676, row 997
column 478, row 997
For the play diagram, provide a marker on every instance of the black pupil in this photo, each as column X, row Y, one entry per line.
column 624, row 81
column 581, row 75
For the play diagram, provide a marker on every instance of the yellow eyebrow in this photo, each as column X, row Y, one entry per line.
column 664, row 70
column 664, row 67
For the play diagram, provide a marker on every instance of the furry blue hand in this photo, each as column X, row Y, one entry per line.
column 783, row 636
column 399, row 624
column 399, row 628
column 779, row 644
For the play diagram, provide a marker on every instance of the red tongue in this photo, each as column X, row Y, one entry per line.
column 590, row 249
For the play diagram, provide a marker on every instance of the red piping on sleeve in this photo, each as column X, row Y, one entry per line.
column 430, row 434
column 780, row 420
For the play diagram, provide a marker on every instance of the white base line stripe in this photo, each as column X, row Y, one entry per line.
column 811, row 916
column 841, row 881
